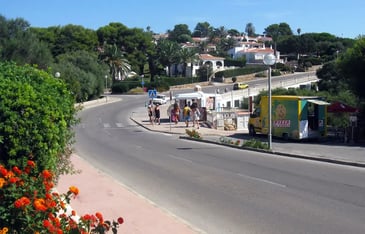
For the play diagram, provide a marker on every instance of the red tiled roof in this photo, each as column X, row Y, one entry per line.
column 209, row 57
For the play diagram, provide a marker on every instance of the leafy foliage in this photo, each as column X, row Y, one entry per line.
column 36, row 116
column 82, row 73
column 352, row 66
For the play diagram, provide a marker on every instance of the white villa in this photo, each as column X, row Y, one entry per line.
column 253, row 48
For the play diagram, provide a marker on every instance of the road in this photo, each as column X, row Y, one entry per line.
column 219, row 189
column 261, row 83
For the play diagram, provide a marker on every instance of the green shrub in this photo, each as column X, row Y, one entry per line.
column 37, row 113
column 193, row 133
column 257, row 144
column 120, row 87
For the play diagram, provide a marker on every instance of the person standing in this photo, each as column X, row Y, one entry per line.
column 150, row 111
column 195, row 117
column 176, row 113
column 157, row 114
column 186, row 114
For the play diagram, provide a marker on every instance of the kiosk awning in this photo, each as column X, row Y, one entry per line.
column 319, row 102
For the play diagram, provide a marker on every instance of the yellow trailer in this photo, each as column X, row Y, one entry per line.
column 293, row 117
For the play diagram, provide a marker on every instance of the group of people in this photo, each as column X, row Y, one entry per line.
column 154, row 113
column 190, row 113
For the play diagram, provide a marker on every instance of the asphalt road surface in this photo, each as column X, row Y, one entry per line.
column 219, row 189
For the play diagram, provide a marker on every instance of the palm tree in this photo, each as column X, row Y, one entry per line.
column 187, row 55
column 168, row 51
column 119, row 66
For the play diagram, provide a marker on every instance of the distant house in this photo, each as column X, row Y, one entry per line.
column 253, row 51
column 252, row 48
column 215, row 64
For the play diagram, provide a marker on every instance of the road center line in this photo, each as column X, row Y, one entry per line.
column 182, row 159
column 262, row 180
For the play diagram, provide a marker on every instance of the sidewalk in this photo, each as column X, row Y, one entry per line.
column 101, row 193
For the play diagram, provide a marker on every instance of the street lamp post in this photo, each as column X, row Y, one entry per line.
column 269, row 60
column 57, row 75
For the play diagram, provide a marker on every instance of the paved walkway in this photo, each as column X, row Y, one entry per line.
column 99, row 192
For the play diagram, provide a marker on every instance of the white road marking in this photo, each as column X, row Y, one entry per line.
column 119, row 125
column 262, row 180
column 106, row 125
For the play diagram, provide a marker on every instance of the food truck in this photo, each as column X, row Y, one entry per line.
column 293, row 117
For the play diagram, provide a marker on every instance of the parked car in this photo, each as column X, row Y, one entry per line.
column 159, row 99
column 237, row 86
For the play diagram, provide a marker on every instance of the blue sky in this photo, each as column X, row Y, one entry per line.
column 340, row 18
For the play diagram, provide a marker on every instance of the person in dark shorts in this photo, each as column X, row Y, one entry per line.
column 157, row 114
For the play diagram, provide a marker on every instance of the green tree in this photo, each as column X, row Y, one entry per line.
column 330, row 78
column 136, row 44
column 277, row 30
column 187, row 55
column 83, row 74
column 180, row 33
column 202, row 29
column 168, row 53
column 119, row 66
column 68, row 38
column 250, row 29
column 19, row 44
column 37, row 114
column 233, row 32
column 352, row 66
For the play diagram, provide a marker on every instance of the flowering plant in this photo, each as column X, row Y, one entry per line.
column 193, row 133
column 29, row 204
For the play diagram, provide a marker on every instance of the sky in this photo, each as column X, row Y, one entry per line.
column 338, row 17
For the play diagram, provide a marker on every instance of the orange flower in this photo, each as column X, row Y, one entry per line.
column 21, row 202
column 40, row 204
column 17, row 170
column 31, row 163
column 3, row 171
column 47, row 174
column 100, row 217
column 13, row 180
column 74, row 190
column 2, row 182
column 10, row 174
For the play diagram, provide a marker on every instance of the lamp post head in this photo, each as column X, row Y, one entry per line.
column 57, row 75
column 269, row 59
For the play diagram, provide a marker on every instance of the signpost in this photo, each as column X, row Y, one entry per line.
column 152, row 93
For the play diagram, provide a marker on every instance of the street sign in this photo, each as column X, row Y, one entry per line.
column 152, row 93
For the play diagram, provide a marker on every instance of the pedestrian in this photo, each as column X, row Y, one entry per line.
column 150, row 112
column 196, row 117
column 186, row 114
column 157, row 114
column 176, row 112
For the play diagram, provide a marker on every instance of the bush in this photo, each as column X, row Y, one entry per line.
column 37, row 113
column 120, row 87
column 257, row 144
column 193, row 133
